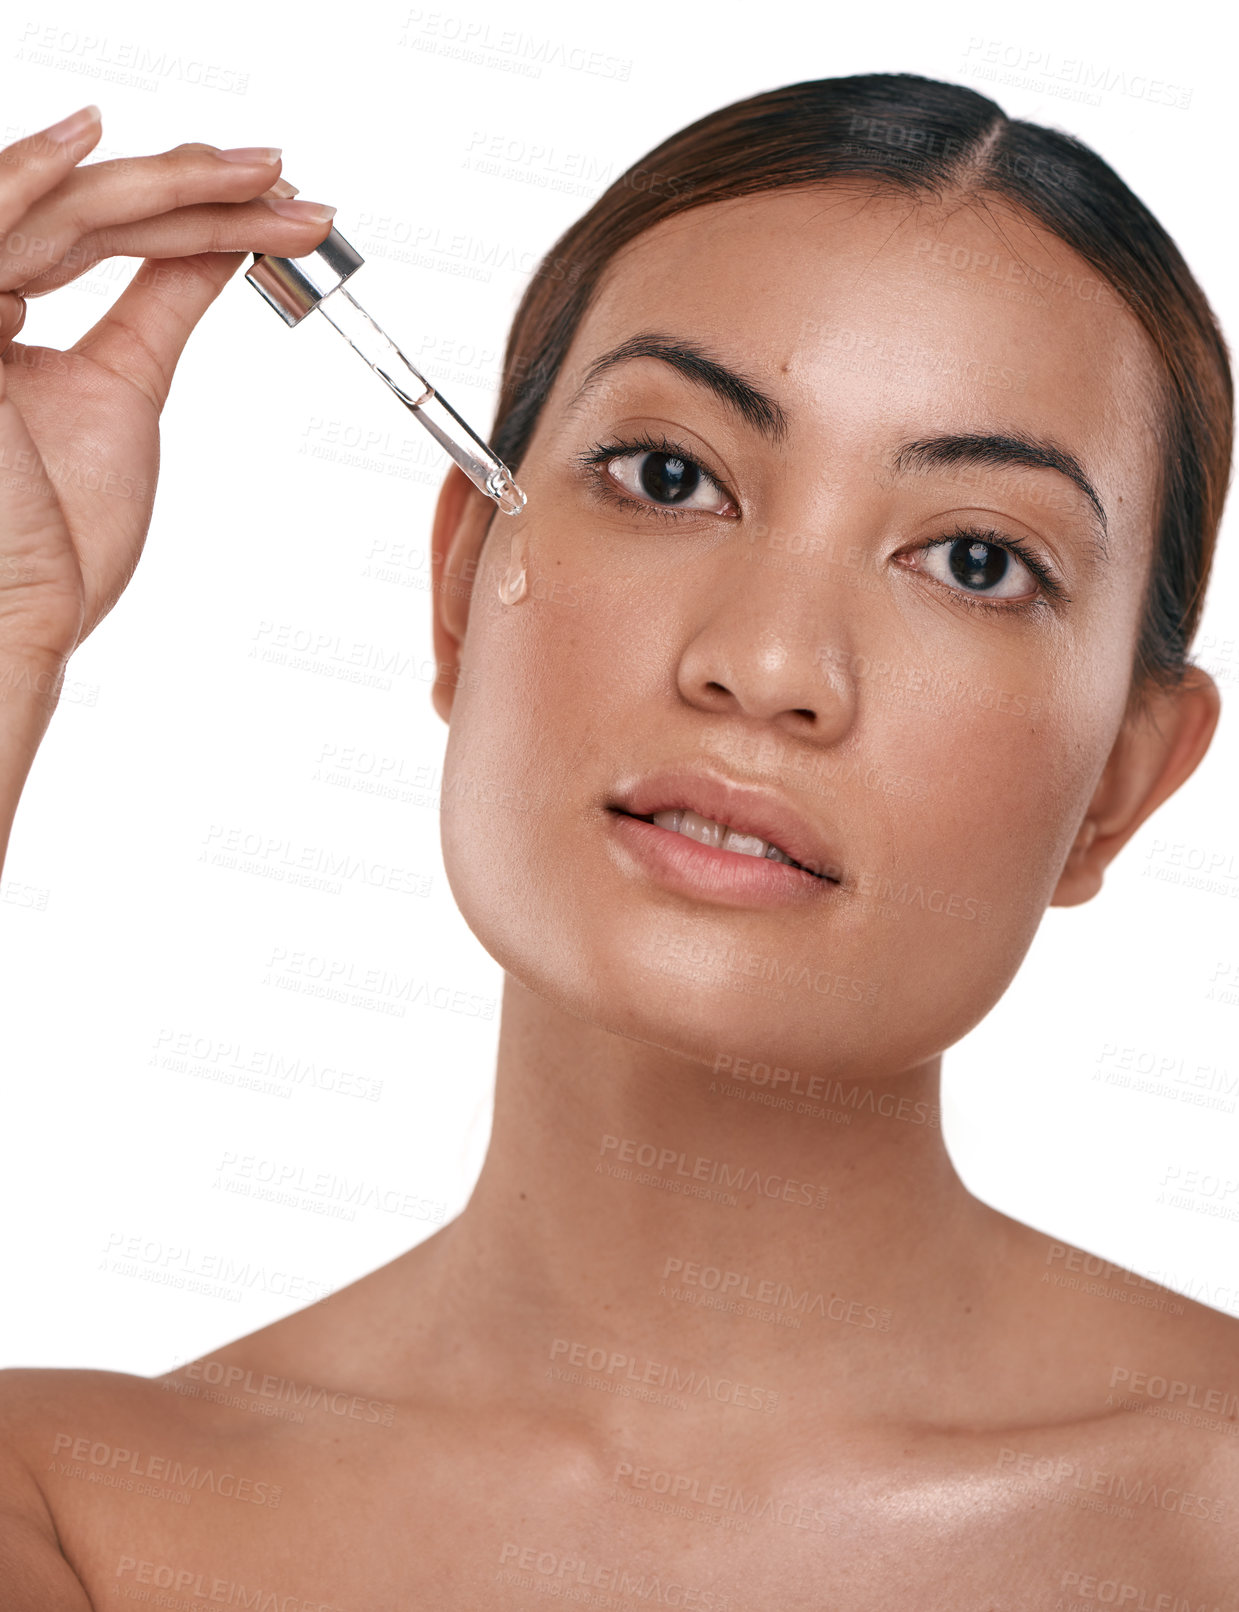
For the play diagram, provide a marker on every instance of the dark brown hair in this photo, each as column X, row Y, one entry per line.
column 903, row 132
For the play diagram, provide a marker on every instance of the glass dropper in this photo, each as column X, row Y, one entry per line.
column 417, row 394
column 295, row 286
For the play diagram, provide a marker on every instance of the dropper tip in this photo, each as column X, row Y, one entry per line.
column 507, row 494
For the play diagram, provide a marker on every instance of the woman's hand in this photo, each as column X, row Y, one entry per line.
column 79, row 429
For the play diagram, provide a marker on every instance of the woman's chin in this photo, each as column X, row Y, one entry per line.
column 706, row 1020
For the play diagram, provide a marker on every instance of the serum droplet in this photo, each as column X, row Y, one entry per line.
column 506, row 493
column 514, row 584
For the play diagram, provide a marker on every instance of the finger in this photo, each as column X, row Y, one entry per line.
column 153, row 238
column 34, row 165
column 12, row 318
column 247, row 227
column 143, row 334
column 124, row 190
column 93, row 248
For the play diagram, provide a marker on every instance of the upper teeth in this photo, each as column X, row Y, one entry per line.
column 708, row 832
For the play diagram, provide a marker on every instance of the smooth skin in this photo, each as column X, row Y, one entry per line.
column 952, row 1431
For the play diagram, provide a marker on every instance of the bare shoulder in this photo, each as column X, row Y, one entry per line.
column 330, row 1357
column 1158, row 1352
column 1174, row 1377
column 115, row 1477
column 259, row 1475
column 42, row 1409
column 37, row 1574
column 56, row 1418
column 1148, row 1382
column 360, row 1340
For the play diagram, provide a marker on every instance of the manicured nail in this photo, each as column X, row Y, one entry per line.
column 281, row 187
column 301, row 212
column 254, row 154
column 77, row 123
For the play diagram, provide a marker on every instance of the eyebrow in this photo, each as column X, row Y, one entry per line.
column 1002, row 451
column 754, row 406
column 766, row 416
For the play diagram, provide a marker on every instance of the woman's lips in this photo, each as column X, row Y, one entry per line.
column 707, row 872
column 747, row 807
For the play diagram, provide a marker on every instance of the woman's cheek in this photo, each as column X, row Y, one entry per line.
column 540, row 672
column 969, row 813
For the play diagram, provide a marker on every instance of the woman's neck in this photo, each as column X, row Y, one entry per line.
column 792, row 1231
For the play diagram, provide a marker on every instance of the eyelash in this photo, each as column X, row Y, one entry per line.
column 594, row 464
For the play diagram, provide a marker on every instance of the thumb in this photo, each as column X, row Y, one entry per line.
column 144, row 332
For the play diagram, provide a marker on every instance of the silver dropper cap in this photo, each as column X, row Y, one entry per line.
column 294, row 286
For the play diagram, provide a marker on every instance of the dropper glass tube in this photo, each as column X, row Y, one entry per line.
column 295, row 286
column 416, row 392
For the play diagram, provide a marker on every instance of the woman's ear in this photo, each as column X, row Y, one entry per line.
column 462, row 519
column 1157, row 749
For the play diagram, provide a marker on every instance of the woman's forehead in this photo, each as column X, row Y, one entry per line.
column 787, row 263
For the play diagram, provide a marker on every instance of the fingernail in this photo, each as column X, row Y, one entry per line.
column 301, row 212
column 77, row 123
column 281, row 187
column 254, row 154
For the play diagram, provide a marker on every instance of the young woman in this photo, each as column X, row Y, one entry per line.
column 874, row 447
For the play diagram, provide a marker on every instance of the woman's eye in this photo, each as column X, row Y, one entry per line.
column 969, row 564
column 666, row 479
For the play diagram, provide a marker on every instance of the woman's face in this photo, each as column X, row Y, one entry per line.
column 765, row 595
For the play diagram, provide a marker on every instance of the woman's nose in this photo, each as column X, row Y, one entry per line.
column 769, row 649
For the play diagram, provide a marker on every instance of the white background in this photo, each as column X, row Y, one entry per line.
column 119, row 938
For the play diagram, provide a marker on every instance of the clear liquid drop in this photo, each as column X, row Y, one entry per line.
column 506, row 493
column 514, row 584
